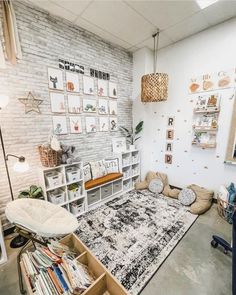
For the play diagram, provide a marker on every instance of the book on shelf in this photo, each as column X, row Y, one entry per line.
column 54, row 270
column 206, row 122
column 202, row 138
column 208, row 102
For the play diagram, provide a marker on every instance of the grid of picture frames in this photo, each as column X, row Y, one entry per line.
column 85, row 103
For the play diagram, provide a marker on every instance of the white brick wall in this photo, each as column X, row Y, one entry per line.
column 44, row 39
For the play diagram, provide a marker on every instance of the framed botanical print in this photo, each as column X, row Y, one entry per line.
column 113, row 107
column 72, row 82
column 90, row 124
column 113, row 123
column 103, row 124
column 57, row 102
column 55, row 79
column 59, row 125
column 89, row 105
column 88, row 84
column 75, row 124
column 74, row 104
column 119, row 144
column 103, row 106
column 102, row 88
column 112, row 90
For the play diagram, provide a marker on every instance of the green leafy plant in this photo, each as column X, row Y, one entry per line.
column 34, row 192
column 132, row 135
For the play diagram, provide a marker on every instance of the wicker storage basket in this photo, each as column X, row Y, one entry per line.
column 225, row 209
column 49, row 157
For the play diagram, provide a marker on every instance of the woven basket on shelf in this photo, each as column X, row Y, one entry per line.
column 225, row 209
column 49, row 157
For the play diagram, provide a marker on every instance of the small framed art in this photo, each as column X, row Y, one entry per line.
column 55, row 79
column 103, row 124
column 112, row 90
column 74, row 104
column 119, row 144
column 72, row 82
column 90, row 124
column 103, row 106
column 57, row 102
column 113, row 124
column 59, row 125
column 102, row 88
column 75, row 124
column 88, row 83
column 112, row 107
column 89, row 105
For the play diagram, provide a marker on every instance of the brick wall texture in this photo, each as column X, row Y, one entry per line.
column 45, row 39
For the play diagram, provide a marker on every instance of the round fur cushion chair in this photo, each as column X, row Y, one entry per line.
column 187, row 196
column 156, row 186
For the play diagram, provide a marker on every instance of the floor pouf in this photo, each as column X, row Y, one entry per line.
column 187, row 196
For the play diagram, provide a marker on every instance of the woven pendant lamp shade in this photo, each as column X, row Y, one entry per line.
column 154, row 87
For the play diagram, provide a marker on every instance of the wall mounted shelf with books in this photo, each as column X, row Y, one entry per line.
column 205, row 125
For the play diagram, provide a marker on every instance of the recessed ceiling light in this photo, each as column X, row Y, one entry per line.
column 205, row 3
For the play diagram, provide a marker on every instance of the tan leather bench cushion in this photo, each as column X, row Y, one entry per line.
column 99, row 181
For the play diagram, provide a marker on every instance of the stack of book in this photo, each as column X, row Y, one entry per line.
column 54, row 270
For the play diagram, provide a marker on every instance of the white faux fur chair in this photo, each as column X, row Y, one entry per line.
column 33, row 218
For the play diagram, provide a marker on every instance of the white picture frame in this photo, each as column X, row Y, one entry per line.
column 90, row 124
column 55, row 79
column 113, row 108
column 89, row 105
column 112, row 90
column 103, row 124
column 88, row 85
column 57, row 102
column 102, row 88
column 74, row 104
column 113, row 124
column 59, row 125
column 72, row 82
column 75, row 124
column 119, row 145
column 103, row 106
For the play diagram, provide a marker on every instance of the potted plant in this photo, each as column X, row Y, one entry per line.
column 34, row 192
column 132, row 135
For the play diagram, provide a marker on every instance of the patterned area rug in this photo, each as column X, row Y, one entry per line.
column 133, row 234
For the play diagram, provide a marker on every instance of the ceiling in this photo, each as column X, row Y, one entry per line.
column 131, row 24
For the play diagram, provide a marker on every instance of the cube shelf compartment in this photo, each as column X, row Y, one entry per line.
column 130, row 168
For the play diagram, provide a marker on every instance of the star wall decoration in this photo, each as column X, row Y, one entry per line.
column 31, row 103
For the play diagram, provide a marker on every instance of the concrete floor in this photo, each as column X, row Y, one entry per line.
column 193, row 268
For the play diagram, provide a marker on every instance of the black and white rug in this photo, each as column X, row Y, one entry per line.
column 133, row 234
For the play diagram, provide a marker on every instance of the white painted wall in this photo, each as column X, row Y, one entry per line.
column 208, row 51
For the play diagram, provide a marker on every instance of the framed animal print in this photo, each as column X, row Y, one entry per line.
column 103, row 106
column 55, row 79
column 74, row 104
column 113, row 107
column 113, row 124
column 75, row 124
column 88, row 84
column 89, row 105
column 72, row 82
column 90, row 124
column 103, row 124
column 102, row 88
column 59, row 125
column 112, row 90
column 57, row 102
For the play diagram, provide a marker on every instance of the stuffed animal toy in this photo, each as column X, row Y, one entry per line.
column 203, row 201
column 69, row 154
column 167, row 191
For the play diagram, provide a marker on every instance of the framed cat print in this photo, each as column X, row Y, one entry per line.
column 55, row 79
column 72, row 82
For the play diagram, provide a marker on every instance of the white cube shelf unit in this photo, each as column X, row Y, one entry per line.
column 130, row 161
column 64, row 185
column 3, row 253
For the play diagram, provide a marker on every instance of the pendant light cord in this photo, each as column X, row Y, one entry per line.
column 156, row 43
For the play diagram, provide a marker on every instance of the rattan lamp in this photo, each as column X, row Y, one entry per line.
column 154, row 86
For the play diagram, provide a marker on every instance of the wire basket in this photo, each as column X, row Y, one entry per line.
column 49, row 157
column 225, row 209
